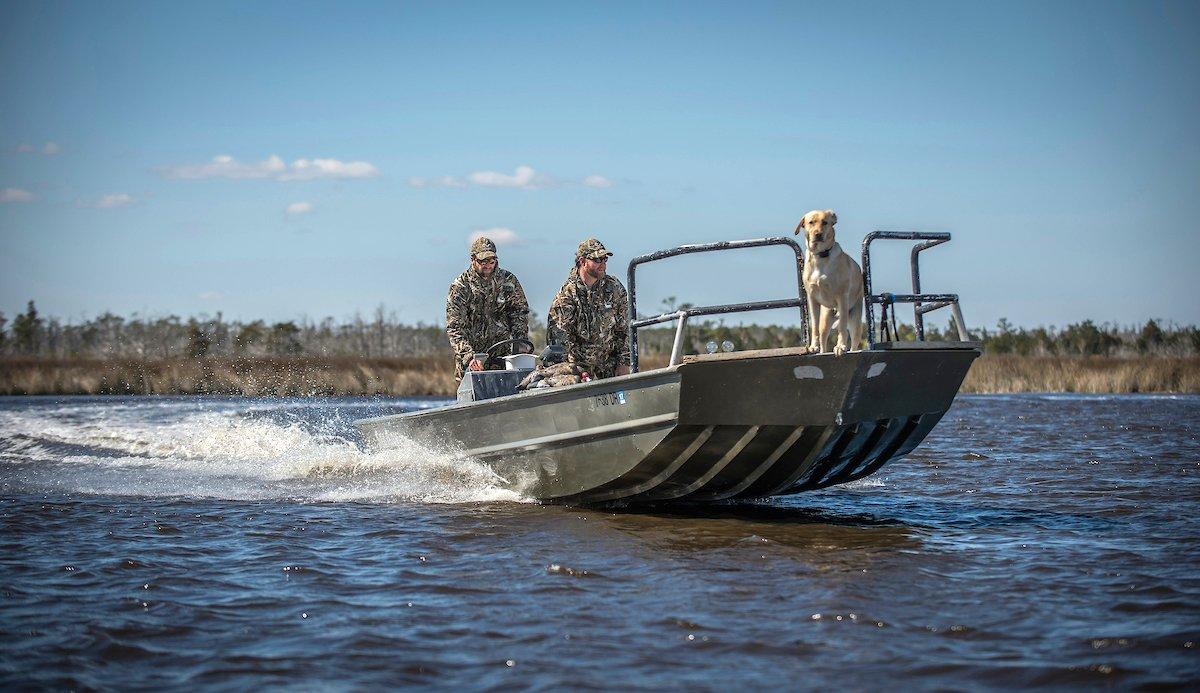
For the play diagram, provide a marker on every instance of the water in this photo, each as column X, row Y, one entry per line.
column 169, row 542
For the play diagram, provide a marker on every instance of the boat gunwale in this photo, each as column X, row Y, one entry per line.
column 548, row 395
column 639, row 380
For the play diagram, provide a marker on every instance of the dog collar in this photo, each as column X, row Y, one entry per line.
column 825, row 253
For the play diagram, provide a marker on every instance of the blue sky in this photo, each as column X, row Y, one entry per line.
column 286, row 160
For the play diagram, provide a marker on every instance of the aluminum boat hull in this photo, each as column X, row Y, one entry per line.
column 742, row 425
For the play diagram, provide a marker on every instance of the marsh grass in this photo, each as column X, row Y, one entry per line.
column 1088, row 374
column 314, row 376
column 259, row 376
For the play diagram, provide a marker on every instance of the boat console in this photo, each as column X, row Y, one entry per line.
column 481, row 385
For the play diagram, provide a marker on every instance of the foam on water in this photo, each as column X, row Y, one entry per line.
column 225, row 451
column 864, row 483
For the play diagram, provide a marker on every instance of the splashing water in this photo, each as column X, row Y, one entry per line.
column 227, row 449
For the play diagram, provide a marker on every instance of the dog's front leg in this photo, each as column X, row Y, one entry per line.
column 814, row 318
column 827, row 320
column 843, row 328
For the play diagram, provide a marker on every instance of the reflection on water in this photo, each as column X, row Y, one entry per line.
column 699, row 528
column 168, row 542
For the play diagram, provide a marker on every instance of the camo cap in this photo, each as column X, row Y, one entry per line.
column 592, row 249
column 483, row 248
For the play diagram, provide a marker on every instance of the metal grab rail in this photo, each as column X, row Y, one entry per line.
column 683, row 315
column 922, row 303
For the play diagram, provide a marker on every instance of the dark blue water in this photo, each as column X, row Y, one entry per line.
column 233, row 543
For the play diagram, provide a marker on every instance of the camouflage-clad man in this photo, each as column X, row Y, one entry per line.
column 485, row 305
column 589, row 316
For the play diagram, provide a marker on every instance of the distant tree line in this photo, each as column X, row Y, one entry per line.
column 107, row 336
column 114, row 336
column 1078, row 339
column 1085, row 338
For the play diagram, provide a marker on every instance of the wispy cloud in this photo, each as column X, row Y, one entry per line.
column 440, row 182
column 49, row 148
column 15, row 195
column 110, row 201
column 500, row 236
column 210, row 295
column 297, row 208
column 595, row 181
column 305, row 169
column 522, row 178
column 272, row 168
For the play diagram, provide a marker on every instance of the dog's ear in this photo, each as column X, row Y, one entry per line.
column 832, row 216
column 800, row 226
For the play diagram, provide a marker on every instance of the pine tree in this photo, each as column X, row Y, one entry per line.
column 27, row 330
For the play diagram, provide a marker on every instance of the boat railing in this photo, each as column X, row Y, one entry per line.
column 682, row 315
column 922, row 303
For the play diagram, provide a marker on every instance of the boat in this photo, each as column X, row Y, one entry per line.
column 715, row 426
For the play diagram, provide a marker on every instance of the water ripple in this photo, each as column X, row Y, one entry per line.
column 231, row 543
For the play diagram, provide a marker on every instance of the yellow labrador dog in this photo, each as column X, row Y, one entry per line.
column 834, row 284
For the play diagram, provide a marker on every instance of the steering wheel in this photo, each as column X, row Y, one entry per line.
column 519, row 341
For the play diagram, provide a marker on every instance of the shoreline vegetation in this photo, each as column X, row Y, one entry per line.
column 379, row 355
column 303, row 376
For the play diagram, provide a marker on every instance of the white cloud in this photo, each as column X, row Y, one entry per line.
column 298, row 208
column 15, row 195
column 210, row 295
column 595, row 181
column 439, row 182
column 273, row 168
column 523, row 177
column 111, row 201
column 49, row 148
column 305, row 169
column 225, row 166
column 499, row 235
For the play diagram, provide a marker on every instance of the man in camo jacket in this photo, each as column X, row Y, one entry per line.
column 589, row 316
column 485, row 305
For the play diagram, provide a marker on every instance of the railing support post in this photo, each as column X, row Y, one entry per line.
column 677, row 347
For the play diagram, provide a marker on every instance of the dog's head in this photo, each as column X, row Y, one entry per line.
column 817, row 227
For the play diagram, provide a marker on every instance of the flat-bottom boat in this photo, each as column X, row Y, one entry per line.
column 713, row 426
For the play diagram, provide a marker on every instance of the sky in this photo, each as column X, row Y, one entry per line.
column 295, row 160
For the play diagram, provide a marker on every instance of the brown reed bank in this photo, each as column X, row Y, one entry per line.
column 253, row 376
column 1088, row 374
column 315, row 376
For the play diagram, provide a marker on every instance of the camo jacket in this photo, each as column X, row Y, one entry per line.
column 481, row 311
column 592, row 324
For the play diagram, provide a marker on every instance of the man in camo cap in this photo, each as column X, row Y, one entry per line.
column 485, row 305
column 589, row 316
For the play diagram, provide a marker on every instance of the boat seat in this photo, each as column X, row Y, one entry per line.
column 480, row 385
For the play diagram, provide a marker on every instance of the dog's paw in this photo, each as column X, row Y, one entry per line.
column 839, row 350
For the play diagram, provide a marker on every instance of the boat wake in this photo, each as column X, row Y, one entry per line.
column 225, row 451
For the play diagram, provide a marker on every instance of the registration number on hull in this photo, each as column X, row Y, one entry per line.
column 610, row 399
